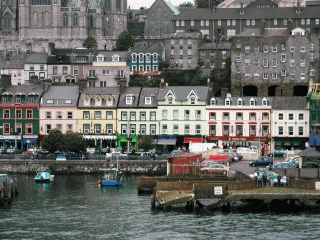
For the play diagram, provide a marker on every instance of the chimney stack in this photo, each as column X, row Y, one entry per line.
column 122, row 84
column 51, row 48
column 82, row 83
column 162, row 83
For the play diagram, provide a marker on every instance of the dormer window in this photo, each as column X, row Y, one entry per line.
column 115, row 58
column 212, row 101
column 148, row 58
column 148, row 100
column 129, row 100
column 98, row 101
column 141, row 58
column 134, row 57
column 109, row 101
column 100, row 58
column 252, row 102
column 5, row 100
column 31, row 100
column 18, row 100
column 170, row 100
column 193, row 100
column 86, row 101
column 227, row 102
column 155, row 57
column 239, row 102
column 264, row 102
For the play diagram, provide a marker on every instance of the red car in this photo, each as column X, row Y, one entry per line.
column 26, row 154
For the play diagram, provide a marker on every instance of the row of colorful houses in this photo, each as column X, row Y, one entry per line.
column 176, row 116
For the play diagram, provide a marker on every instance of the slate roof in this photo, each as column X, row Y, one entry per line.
column 214, row 46
column 245, row 101
column 249, row 13
column 289, row 103
column 103, row 92
column 60, row 96
column 251, row 32
column 181, row 34
column 32, row 90
column 108, row 55
column 14, row 64
column 149, row 92
column 135, row 92
column 37, row 58
column 309, row 152
column 181, row 93
column 2, row 63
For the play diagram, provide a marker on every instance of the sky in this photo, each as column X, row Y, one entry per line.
column 136, row 4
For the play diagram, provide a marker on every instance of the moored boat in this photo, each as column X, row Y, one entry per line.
column 43, row 177
column 111, row 177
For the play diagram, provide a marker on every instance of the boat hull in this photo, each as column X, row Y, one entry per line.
column 42, row 181
column 111, row 183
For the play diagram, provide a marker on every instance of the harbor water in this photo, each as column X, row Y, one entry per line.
column 75, row 207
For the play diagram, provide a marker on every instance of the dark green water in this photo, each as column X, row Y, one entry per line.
column 74, row 207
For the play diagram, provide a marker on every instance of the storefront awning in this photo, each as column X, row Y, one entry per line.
column 194, row 140
column 278, row 143
column 166, row 141
column 103, row 137
column 296, row 143
column 287, row 143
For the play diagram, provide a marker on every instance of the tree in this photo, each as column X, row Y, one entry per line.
column 205, row 3
column 146, row 143
column 53, row 141
column 186, row 4
column 74, row 142
column 89, row 42
column 124, row 41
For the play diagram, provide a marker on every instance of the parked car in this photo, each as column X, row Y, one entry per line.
column 112, row 155
column 242, row 150
column 283, row 165
column 176, row 153
column 263, row 161
column 91, row 150
column 11, row 150
column 27, row 154
column 215, row 169
column 277, row 154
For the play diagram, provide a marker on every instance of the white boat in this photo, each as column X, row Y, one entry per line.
column 112, row 176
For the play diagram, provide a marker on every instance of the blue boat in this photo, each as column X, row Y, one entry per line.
column 111, row 177
column 44, row 177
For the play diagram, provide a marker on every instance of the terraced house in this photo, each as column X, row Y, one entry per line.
column 19, row 116
column 97, row 116
column 181, row 113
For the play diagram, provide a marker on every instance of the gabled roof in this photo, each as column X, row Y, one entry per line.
column 182, row 93
column 309, row 152
column 132, row 91
column 99, row 91
column 149, row 92
column 62, row 96
column 289, row 103
column 245, row 101
column 109, row 54
column 37, row 58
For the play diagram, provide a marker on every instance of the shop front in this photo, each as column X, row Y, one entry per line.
column 10, row 141
column 123, row 142
column 101, row 141
column 188, row 140
column 166, row 143
column 290, row 143
column 29, row 141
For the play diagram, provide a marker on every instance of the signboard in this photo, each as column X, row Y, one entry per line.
column 317, row 185
column 217, row 190
column 255, row 139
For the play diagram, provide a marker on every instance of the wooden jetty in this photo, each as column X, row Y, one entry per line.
column 210, row 193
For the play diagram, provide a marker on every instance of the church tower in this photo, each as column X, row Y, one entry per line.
column 115, row 17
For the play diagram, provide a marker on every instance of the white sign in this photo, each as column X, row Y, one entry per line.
column 217, row 190
column 317, row 185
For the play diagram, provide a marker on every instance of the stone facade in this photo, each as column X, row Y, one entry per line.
column 273, row 65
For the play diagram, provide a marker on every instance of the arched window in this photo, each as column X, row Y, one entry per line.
column 75, row 20
column 7, row 20
column 65, row 20
column 46, row 19
column 34, row 19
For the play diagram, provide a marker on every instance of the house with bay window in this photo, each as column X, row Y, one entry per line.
column 128, row 116
column 290, row 123
column 58, row 109
column 239, row 121
column 19, row 116
column 181, row 114
column 97, row 116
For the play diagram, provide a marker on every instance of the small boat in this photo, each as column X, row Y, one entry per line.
column 111, row 177
column 44, row 177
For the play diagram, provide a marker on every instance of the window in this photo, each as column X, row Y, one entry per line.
column 302, row 21
column 265, row 62
column 164, row 114
column 301, row 116
column 29, row 114
column 124, row 129
column 212, row 116
column 280, row 116
column 239, row 102
column 239, row 116
column 317, row 21
column 192, row 23
column 148, row 100
column 265, row 130
column 6, row 128
column 97, row 114
column 132, row 116
column 256, row 63
column 301, row 131
column 109, row 114
column 129, row 100
column 69, row 115
column 152, row 116
column 4, row 100
column 283, row 57
column 48, row 115
column 252, row 130
column 265, row 116
column 98, row 101
column 264, row 102
column 64, row 70
column 280, row 130
column 18, row 129
column 164, row 129
column 285, row 21
column 175, row 114
column 274, row 49
column 97, row 128
column 65, row 20
column 252, row 102
column 265, row 75
column 227, row 102
column 292, row 62
column 238, row 57
column 290, row 116
column 274, row 63
column 283, row 73
column 275, row 22
column 192, row 100
column 239, row 130
column 302, row 76
column 247, row 62
column 175, row 129
column 132, row 129
column 302, row 62
column 59, row 126
column 170, row 100
column 212, row 129
column 59, row 115
column 86, row 128
column 290, row 130
column 252, row 116
column 69, row 127
column 274, row 75
column 142, row 129
column 198, row 129
column 212, row 101
column 265, row 49
column 48, row 128
column 29, row 128
column 86, row 115
column 248, row 22
column 292, row 76
column 142, row 116
column 311, row 72
column 225, row 130
column 198, row 114
column 6, row 113
column 153, row 129
column 292, row 49
column 247, row 49
column 186, row 129
column 86, row 101
column 311, row 57
column 187, row 114
column 226, row 116
column 124, row 116
column 253, row 22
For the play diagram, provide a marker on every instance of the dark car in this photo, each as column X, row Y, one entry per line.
column 277, row 154
column 263, row 161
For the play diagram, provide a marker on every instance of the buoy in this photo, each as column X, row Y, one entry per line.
column 27, row 177
column 99, row 181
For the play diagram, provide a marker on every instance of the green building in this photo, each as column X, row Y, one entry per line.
column 314, row 108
